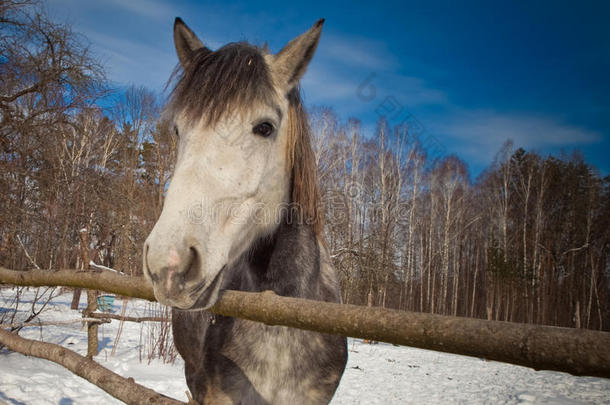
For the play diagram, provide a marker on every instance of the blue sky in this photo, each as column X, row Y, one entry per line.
column 471, row 73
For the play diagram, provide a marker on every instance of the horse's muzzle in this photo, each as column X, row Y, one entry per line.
column 181, row 283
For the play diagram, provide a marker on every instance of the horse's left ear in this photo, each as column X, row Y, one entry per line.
column 290, row 63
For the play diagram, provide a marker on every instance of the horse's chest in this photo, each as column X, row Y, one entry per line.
column 276, row 364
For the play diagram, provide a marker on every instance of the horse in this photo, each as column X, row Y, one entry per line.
column 242, row 213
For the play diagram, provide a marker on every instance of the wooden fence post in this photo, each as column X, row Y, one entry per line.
column 92, row 327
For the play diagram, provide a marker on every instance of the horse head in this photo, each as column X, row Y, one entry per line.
column 238, row 121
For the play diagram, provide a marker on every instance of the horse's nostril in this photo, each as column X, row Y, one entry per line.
column 191, row 271
column 147, row 271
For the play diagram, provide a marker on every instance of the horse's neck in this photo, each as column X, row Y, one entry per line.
column 288, row 262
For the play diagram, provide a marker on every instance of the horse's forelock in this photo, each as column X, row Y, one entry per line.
column 213, row 84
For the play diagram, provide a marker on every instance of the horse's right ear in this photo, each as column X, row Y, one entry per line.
column 186, row 42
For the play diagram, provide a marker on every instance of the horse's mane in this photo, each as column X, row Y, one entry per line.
column 234, row 78
column 305, row 192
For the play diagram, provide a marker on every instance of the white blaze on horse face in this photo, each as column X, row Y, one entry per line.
column 228, row 187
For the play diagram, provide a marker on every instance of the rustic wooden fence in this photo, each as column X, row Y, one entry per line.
column 576, row 351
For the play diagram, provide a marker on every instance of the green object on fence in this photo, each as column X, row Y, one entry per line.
column 104, row 302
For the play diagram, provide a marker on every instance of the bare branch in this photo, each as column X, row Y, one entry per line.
column 27, row 254
column 125, row 389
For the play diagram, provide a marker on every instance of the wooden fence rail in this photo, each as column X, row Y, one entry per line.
column 125, row 389
column 576, row 351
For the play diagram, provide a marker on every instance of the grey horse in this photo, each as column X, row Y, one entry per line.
column 242, row 213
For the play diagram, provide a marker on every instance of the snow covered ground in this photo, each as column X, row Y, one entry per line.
column 375, row 374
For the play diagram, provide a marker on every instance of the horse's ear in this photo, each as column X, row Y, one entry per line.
column 290, row 63
column 186, row 42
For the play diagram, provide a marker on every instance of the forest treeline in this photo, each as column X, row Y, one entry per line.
column 527, row 241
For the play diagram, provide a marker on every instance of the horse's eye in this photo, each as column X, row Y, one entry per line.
column 176, row 131
column 263, row 129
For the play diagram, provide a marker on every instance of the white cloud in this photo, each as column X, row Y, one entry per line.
column 147, row 9
column 325, row 83
column 343, row 63
column 479, row 134
column 412, row 91
column 131, row 61
column 322, row 85
column 127, row 57
column 160, row 10
column 356, row 52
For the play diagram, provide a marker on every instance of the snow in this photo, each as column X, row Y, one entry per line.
column 375, row 373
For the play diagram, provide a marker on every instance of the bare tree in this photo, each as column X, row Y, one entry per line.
column 48, row 75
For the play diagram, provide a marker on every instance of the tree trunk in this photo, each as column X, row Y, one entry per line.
column 75, row 298
column 474, row 283
column 577, row 322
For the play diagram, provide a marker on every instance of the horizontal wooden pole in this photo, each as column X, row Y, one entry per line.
column 116, row 283
column 38, row 324
column 576, row 351
column 125, row 389
column 137, row 319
